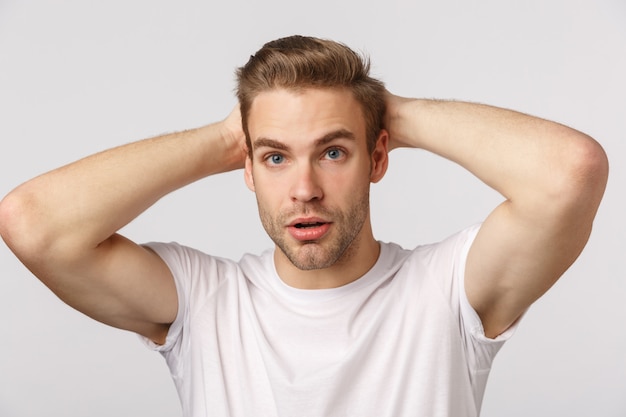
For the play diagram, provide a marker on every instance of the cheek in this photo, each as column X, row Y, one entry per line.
column 269, row 184
column 347, row 187
column 269, row 192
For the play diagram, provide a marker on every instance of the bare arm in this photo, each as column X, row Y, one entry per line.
column 62, row 225
column 552, row 177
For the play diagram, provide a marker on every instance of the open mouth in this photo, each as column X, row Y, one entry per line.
column 308, row 225
column 309, row 230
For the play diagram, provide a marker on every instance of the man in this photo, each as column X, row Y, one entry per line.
column 330, row 322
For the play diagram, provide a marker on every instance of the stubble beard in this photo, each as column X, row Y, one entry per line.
column 338, row 247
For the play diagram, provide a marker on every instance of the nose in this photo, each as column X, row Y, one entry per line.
column 305, row 184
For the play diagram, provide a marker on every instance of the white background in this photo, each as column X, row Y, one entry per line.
column 77, row 77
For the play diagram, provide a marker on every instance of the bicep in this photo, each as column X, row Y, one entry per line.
column 120, row 284
column 516, row 258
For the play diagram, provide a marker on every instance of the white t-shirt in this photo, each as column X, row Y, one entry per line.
column 400, row 341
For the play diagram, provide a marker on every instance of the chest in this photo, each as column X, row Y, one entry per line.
column 392, row 348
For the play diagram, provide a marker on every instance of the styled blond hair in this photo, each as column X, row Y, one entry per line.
column 298, row 62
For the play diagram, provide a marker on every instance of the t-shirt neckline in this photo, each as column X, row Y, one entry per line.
column 375, row 273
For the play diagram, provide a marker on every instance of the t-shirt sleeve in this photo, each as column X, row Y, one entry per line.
column 480, row 349
column 178, row 261
column 193, row 272
column 470, row 317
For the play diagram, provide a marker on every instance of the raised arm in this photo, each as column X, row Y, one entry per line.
column 62, row 225
column 552, row 177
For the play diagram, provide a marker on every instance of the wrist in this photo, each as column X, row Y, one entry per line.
column 233, row 138
column 401, row 121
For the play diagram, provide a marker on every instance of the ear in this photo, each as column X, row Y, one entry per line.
column 380, row 157
column 248, row 174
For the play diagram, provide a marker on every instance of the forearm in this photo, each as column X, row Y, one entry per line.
column 78, row 206
column 526, row 159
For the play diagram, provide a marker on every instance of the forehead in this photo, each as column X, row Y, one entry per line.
column 285, row 114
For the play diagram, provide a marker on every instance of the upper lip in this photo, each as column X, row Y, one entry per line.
column 307, row 220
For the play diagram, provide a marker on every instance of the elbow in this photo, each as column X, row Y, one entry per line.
column 37, row 234
column 9, row 217
column 21, row 228
column 590, row 170
column 584, row 176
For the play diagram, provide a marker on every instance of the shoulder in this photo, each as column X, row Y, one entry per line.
column 196, row 270
column 433, row 268
column 447, row 252
column 178, row 256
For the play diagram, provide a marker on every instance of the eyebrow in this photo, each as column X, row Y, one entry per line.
column 327, row 138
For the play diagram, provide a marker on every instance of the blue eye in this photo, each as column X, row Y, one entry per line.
column 334, row 154
column 276, row 159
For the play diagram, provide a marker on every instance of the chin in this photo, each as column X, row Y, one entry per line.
column 310, row 264
column 308, row 258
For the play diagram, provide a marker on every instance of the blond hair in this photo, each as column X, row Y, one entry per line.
column 297, row 62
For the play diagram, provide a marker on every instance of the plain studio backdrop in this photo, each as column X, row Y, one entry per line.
column 78, row 77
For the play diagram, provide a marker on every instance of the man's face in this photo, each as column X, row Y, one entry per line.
column 311, row 172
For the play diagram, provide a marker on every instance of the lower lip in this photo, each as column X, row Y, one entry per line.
column 309, row 233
